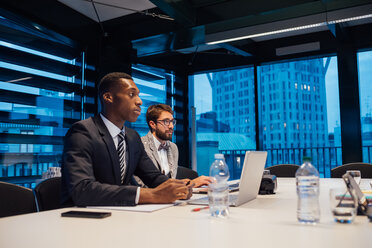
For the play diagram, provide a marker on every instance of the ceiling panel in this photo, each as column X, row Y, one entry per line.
column 84, row 7
column 108, row 9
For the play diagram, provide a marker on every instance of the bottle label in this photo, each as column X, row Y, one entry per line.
column 307, row 181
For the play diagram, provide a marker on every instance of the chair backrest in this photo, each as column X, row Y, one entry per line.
column 15, row 200
column 183, row 172
column 48, row 194
column 364, row 168
column 283, row 170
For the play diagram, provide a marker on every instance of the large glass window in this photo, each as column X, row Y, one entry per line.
column 224, row 104
column 365, row 93
column 152, row 83
column 156, row 86
column 43, row 90
column 299, row 112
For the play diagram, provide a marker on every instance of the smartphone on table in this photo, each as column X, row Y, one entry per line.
column 86, row 214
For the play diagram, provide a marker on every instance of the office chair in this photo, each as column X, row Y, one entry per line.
column 283, row 170
column 183, row 172
column 48, row 193
column 15, row 200
column 364, row 168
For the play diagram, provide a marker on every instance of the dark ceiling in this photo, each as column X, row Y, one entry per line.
column 182, row 41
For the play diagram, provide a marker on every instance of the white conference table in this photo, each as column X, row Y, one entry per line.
column 268, row 221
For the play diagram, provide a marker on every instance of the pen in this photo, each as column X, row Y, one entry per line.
column 199, row 209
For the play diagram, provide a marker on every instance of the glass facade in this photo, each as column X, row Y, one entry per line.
column 159, row 86
column 225, row 117
column 43, row 90
column 299, row 112
column 298, row 107
column 152, row 83
column 365, row 100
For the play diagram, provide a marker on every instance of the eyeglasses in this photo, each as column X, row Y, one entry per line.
column 167, row 122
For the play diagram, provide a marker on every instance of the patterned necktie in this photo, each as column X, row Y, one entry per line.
column 121, row 153
column 164, row 146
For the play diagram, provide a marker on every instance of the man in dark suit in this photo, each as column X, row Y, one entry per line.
column 101, row 155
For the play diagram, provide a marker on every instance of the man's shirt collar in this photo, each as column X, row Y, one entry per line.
column 112, row 128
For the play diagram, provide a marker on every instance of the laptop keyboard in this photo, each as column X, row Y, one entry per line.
column 234, row 185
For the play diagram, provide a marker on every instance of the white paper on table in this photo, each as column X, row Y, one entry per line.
column 139, row 208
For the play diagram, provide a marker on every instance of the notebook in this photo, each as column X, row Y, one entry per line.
column 250, row 179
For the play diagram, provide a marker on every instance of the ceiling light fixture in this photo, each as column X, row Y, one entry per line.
column 351, row 19
column 285, row 30
column 268, row 33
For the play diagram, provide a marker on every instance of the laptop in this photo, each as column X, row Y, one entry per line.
column 250, row 180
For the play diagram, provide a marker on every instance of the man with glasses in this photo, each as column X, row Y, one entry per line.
column 158, row 145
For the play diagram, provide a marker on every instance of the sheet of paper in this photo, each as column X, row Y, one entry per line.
column 138, row 208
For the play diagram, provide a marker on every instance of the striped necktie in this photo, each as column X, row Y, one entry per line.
column 121, row 153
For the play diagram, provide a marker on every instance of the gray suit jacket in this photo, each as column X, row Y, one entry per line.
column 149, row 144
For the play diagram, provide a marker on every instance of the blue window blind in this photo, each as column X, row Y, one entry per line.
column 152, row 83
column 44, row 89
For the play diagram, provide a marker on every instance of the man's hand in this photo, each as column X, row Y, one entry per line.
column 202, row 180
column 167, row 192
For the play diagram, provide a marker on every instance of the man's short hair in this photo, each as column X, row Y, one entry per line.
column 154, row 111
column 110, row 81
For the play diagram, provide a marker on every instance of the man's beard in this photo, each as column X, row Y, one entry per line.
column 163, row 136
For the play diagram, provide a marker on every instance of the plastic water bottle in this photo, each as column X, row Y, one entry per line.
column 218, row 193
column 307, row 181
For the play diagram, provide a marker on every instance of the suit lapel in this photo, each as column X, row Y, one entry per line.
column 106, row 136
column 154, row 152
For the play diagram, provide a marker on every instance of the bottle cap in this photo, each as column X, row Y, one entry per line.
column 306, row 159
column 218, row 156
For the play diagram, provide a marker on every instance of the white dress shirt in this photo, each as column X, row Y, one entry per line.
column 163, row 155
column 114, row 132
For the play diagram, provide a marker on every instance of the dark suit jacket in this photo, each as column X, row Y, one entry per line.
column 91, row 170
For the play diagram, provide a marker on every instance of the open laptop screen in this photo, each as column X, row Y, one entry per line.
column 250, row 180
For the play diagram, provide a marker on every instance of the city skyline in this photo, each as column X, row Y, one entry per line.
column 203, row 94
column 293, row 107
